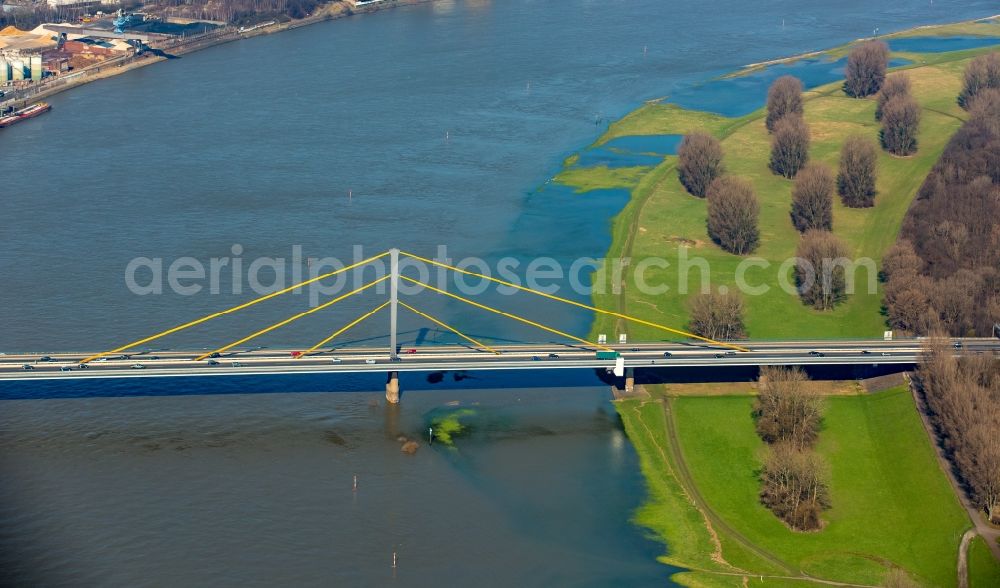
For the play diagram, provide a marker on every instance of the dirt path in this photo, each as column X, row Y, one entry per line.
column 963, row 559
column 712, row 520
column 684, row 474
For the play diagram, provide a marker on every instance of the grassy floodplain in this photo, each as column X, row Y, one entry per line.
column 984, row 569
column 662, row 217
column 892, row 505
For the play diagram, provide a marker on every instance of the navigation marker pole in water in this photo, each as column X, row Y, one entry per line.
column 355, row 482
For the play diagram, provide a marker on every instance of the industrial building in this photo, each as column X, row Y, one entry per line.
column 18, row 68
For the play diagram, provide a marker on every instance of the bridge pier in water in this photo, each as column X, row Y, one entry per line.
column 392, row 388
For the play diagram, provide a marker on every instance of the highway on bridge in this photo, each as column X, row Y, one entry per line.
column 259, row 361
column 141, row 359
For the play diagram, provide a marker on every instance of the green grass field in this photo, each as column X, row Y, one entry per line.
column 662, row 220
column 984, row 569
column 892, row 506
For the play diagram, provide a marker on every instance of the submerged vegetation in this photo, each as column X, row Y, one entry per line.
column 447, row 424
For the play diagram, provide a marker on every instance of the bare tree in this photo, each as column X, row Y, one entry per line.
column 789, row 146
column 699, row 162
column 783, row 98
column 732, row 215
column 819, row 269
column 786, row 409
column 900, row 123
column 718, row 316
column 856, row 179
column 985, row 111
column 897, row 84
column 982, row 73
column 866, row 67
column 794, row 487
column 963, row 398
column 948, row 274
column 812, row 198
column 899, row 259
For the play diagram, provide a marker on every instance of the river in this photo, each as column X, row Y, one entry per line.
column 429, row 125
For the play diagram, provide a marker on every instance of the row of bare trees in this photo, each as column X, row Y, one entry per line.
column 231, row 11
column 732, row 204
column 237, row 11
column 900, row 115
column 982, row 74
column 944, row 273
column 790, row 133
column 789, row 418
column 963, row 399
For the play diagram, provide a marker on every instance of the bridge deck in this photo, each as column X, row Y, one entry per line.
column 258, row 361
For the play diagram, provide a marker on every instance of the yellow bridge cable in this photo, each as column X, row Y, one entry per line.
column 233, row 309
column 453, row 330
column 292, row 318
column 343, row 329
column 508, row 315
column 574, row 303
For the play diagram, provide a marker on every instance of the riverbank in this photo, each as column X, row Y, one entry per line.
column 117, row 66
column 893, row 509
column 662, row 221
column 701, row 456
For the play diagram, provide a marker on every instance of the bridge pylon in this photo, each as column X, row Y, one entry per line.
column 392, row 388
column 393, row 300
column 392, row 382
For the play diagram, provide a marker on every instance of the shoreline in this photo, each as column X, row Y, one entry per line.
column 792, row 58
column 702, row 540
column 330, row 11
column 624, row 226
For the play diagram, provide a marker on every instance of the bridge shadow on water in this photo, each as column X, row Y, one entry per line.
column 298, row 383
column 410, row 382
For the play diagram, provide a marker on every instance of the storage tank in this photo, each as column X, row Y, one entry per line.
column 4, row 71
column 35, row 64
column 16, row 70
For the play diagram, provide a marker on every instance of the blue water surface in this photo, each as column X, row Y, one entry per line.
column 630, row 151
column 741, row 95
column 941, row 44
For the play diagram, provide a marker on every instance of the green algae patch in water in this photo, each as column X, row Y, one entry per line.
column 447, row 424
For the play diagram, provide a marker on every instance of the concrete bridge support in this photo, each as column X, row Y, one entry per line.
column 629, row 380
column 392, row 388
